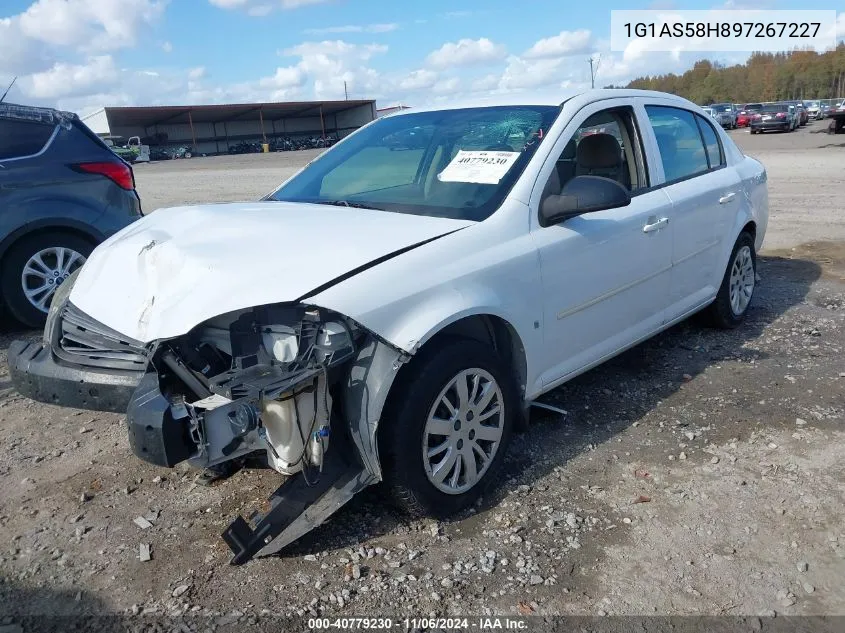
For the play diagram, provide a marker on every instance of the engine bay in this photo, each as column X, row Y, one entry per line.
column 256, row 380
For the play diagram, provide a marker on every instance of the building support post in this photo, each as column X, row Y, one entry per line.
column 322, row 122
column 261, row 118
column 193, row 133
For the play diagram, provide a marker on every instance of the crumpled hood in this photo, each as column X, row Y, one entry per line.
column 176, row 268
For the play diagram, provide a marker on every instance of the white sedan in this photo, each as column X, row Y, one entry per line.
column 391, row 312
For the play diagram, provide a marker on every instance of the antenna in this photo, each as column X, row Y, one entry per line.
column 8, row 89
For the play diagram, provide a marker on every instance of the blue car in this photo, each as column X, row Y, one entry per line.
column 62, row 192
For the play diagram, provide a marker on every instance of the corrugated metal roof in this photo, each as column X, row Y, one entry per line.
column 151, row 115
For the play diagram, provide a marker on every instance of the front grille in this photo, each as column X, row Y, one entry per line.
column 84, row 341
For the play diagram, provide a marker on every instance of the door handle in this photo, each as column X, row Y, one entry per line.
column 655, row 225
column 727, row 197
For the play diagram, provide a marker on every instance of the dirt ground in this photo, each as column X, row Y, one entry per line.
column 701, row 473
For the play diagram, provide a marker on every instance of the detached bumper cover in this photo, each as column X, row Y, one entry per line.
column 38, row 375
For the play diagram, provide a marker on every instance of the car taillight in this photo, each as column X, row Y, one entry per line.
column 781, row 115
column 119, row 173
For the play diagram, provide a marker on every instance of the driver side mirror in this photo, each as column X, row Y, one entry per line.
column 583, row 194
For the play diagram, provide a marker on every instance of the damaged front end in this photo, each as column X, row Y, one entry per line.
column 300, row 385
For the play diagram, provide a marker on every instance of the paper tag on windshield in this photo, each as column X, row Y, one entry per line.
column 486, row 168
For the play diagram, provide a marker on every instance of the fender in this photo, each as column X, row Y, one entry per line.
column 489, row 269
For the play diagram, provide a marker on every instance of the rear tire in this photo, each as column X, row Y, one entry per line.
column 411, row 442
column 12, row 278
column 738, row 284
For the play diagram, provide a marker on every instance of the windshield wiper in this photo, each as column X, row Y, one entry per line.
column 347, row 203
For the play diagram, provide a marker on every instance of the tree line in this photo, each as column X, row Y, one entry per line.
column 764, row 77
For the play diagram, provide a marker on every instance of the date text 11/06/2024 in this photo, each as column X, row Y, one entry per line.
column 491, row 623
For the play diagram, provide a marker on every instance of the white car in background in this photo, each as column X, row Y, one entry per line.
column 392, row 311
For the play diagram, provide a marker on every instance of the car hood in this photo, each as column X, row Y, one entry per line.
column 176, row 268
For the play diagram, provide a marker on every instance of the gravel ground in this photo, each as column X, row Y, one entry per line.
column 699, row 473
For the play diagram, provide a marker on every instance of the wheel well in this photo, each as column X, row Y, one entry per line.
column 496, row 332
column 751, row 229
column 14, row 238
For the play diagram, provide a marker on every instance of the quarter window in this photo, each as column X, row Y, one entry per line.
column 715, row 155
column 22, row 138
column 682, row 150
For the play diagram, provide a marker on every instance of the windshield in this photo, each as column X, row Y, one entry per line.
column 753, row 107
column 456, row 164
column 774, row 107
column 721, row 107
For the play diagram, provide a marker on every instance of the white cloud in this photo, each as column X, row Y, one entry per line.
column 19, row 54
column 167, row 47
column 318, row 52
column 69, row 80
column 330, row 63
column 229, row 4
column 90, row 25
column 260, row 8
column 196, row 73
column 418, row 80
column 354, row 28
column 447, row 86
column 521, row 73
column 285, row 81
column 561, row 45
column 488, row 82
column 466, row 52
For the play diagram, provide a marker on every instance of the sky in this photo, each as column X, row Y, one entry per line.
column 81, row 55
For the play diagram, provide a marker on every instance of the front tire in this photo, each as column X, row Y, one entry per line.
column 448, row 424
column 34, row 267
column 738, row 284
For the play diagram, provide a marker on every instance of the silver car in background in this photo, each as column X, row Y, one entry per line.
column 725, row 115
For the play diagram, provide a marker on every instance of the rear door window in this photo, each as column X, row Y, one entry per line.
column 22, row 138
column 682, row 151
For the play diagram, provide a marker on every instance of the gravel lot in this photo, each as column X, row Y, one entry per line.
column 700, row 473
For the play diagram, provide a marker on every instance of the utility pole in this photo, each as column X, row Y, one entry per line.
column 594, row 70
column 345, row 92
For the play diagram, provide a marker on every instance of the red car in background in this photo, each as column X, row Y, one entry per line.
column 743, row 119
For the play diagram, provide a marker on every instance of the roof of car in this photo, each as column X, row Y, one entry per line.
column 34, row 113
column 533, row 98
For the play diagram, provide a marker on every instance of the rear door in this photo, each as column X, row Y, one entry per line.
column 705, row 194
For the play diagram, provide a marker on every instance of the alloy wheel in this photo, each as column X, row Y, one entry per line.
column 45, row 271
column 463, row 431
column 742, row 280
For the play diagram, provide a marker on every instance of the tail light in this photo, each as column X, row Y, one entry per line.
column 781, row 115
column 119, row 173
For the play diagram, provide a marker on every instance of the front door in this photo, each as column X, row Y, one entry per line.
column 606, row 274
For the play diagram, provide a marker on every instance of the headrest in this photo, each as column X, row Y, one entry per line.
column 599, row 151
column 569, row 151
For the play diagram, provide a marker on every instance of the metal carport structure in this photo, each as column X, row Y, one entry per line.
column 211, row 129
